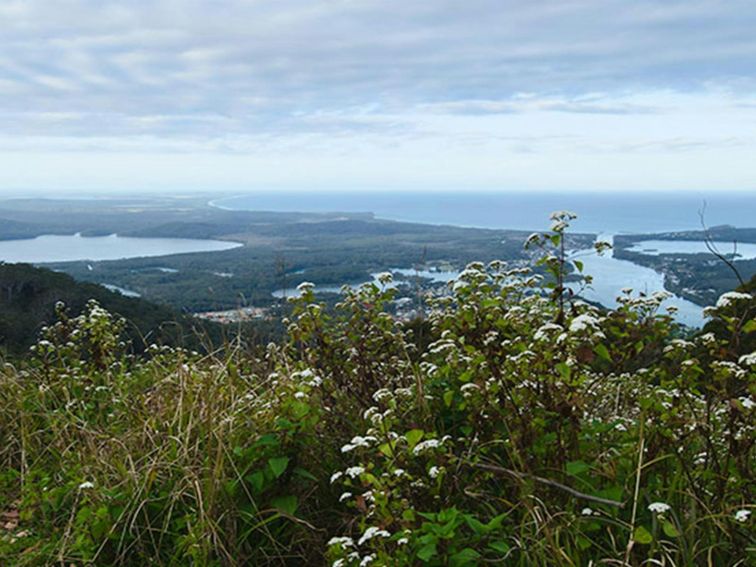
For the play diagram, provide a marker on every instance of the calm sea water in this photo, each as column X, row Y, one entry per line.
column 625, row 213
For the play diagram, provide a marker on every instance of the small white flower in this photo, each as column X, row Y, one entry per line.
column 341, row 541
column 367, row 560
column 748, row 359
column 402, row 541
column 586, row 512
column 426, row 445
column 86, row 484
column 336, row 476
column 372, row 532
column 659, row 507
column 345, row 496
column 434, row 471
column 354, row 472
column 742, row 515
column 300, row 395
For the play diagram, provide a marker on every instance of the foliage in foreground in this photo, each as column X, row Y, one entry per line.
column 532, row 430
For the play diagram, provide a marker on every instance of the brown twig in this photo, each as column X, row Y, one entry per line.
column 547, row 482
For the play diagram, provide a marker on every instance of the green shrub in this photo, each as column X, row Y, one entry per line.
column 534, row 429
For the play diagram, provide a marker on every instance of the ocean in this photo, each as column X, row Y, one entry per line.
column 597, row 212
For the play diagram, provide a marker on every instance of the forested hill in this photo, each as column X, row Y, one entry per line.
column 28, row 296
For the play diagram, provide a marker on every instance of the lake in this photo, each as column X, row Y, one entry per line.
column 745, row 251
column 68, row 248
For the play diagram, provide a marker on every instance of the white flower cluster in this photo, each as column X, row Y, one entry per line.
column 659, row 507
column 727, row 299
column 358, row 441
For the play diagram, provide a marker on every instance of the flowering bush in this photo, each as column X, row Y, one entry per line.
column 534, row 428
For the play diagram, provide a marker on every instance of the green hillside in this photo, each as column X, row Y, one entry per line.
column 28, row 298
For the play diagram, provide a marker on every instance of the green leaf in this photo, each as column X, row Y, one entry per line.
column 413, row 437
column 750, row 326
column 299, row 471
column 578, row 265
column 564, row 370
column 575, row 468
column 602, row 352
column 287, row 504
column 669, row 529
column 426, row 552
column 500, row 546
column 642, row 535
column 448, row 398
column 386, row 449
column 465, row 557
column 278, row 465
column 257, row 480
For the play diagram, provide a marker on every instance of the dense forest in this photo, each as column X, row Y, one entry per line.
column 31, row 298
column 514, row 425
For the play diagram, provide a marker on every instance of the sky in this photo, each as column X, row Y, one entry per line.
column 248, row 95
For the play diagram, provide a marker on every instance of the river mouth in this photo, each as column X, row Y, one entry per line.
column 610, row 277
column 50, row 248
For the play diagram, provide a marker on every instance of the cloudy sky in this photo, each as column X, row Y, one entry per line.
column 377, row 94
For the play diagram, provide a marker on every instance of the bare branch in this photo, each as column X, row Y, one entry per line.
column 547, row 482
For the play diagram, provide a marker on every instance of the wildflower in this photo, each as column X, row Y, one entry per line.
column 341, row 541
column 382, row 395
column 748, row 359
column 742, row 516
column 425, row 445
column 385, row 277
column 586, row 512
column 583, row 322
column 372, row 532
column 402, row 541
column 354, row 472
column 533, row 239
column 336, row 476
column 366, row 560
column 358, row 441
column 726, row 299
column 86, row 484
column 434, row 472
column 300, row 395
column 345, row 496
column 747, row 402
column 304, row 287
column 659, row 507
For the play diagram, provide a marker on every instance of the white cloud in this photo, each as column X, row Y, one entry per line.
column 498, row 92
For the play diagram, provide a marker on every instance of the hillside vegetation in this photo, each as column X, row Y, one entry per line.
column 29, row 295
column 515, row 426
